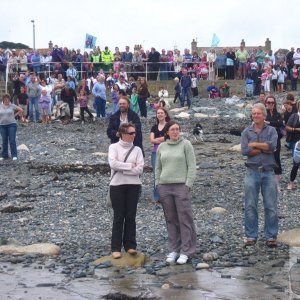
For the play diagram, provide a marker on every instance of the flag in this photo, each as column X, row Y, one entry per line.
column 215, row 41
column 90, row 41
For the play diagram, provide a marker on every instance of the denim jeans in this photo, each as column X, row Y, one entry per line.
column 155, row 195
column 185, row 93
column 8, row 133
column 256, row 181
column 34, row 102
column 100, row 107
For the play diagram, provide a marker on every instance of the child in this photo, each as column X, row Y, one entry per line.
column 224, row 90
column 265, row 81
column 22, row 101
column 177, row 90
column 44, row 104
column 281, row 78
column 213, row 91
column 71, row 83
column 115, row 97
column 83, row 103
column 117, row 64
column 134, row 101
column 162, row 93
column 194, row 86
column 274, row 78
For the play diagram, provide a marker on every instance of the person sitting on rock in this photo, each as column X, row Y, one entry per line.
column 224, row 90
column 213, row 91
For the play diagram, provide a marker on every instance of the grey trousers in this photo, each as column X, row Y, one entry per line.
column 176, row 202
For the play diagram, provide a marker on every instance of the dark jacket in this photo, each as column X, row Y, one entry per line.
column 114, row 124
column 68, row 98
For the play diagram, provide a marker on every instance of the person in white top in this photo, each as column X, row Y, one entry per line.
column 126, row 162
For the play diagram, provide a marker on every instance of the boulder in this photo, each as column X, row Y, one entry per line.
column 201, row 266
column 126, row 260
column 218, row 210
column 290, row 237
column 43, row 248
column 210, row 256
column 23, row 147
column 183, row 115
column 100, row 154
column 200, row 115
column 236, row 148
column 178, row 109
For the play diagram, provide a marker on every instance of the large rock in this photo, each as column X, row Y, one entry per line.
column 183, row 115
column 23, row 147
column 200, row 115
column 127, row 260
column 236, row 148
column 44, row 249
column 218, row 210
column 290, row 237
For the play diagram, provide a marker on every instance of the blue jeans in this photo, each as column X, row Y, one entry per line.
column 8, row 133
column 185, row 93
column 34, row 102
column 155, row 195
column 256, row 181
column 100, row 106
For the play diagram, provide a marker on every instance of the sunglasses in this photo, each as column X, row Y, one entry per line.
column 131, row 133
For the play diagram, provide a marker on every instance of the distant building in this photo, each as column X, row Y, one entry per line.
column 200, row 50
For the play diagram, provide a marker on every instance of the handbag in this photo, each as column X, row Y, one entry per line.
column 108, row 199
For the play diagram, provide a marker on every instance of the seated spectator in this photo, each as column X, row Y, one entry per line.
column 162, row 93
column 213, row 91
column 224, row 90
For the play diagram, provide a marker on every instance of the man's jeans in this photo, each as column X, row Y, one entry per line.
column 34, row 102
column 185, row 93
column 8, row 133
column 256, row 181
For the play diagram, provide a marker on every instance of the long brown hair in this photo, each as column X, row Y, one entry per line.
column 275, row 103
column 167, row 118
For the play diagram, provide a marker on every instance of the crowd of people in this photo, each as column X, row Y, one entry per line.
column 260, row 143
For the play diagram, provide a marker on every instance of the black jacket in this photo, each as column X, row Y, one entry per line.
column 114, row 124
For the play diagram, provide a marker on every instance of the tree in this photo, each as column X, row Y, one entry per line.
column 12, row 45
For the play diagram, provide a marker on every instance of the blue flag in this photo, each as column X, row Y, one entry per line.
column 215, row 41
column 90, row 41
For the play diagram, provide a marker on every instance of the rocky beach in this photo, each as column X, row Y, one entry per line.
column 56, row 193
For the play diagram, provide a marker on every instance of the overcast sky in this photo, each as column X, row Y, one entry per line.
column 161, row 24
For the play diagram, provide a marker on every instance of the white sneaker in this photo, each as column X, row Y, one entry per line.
column 171, row 257
column 182, row 259
column 15, row 158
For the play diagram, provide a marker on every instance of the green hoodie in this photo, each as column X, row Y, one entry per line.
column 175, row 163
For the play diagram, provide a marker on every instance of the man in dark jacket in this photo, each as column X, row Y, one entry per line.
column 69, row 96
column 153, row 60
column 125, row 115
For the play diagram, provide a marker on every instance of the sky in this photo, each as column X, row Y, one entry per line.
column 163, row 24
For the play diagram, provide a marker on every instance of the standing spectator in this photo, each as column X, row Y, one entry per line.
column 69, row 96
column 83, row 103
column 275, row 78
column 294, row 74
column 281, row 75
column 153, row 60
column 177, row 61
column 221, row 64
column 170, row 56
column 230, row 63
column 22, row 62
column 126, row 162
column 271, row 57
column 280, row 57
column 44, row 105
column 127, row 59
column 296, row 57
column 175, row 172
column 258, row 142
column 34, row 93
column 194, row 85
column 107, row 59
column 177, row 89
column 58, row 86
column 293, row 129
column 57, row 54
column 274, row 119
column 242, row 56
column 99, row 93
column 72, row 73
column 260, row 57
column 163, row 69
column 185, row 83
column 290, row 61
column 143, row 94
column 22, row 101
column 137, row 65
column 8, row 127
column 125, row 115
column 157, row 136
column 211, row 58
column 36, row 62
column 115, row 97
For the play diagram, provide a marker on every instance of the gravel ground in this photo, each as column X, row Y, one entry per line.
column 59, row 188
